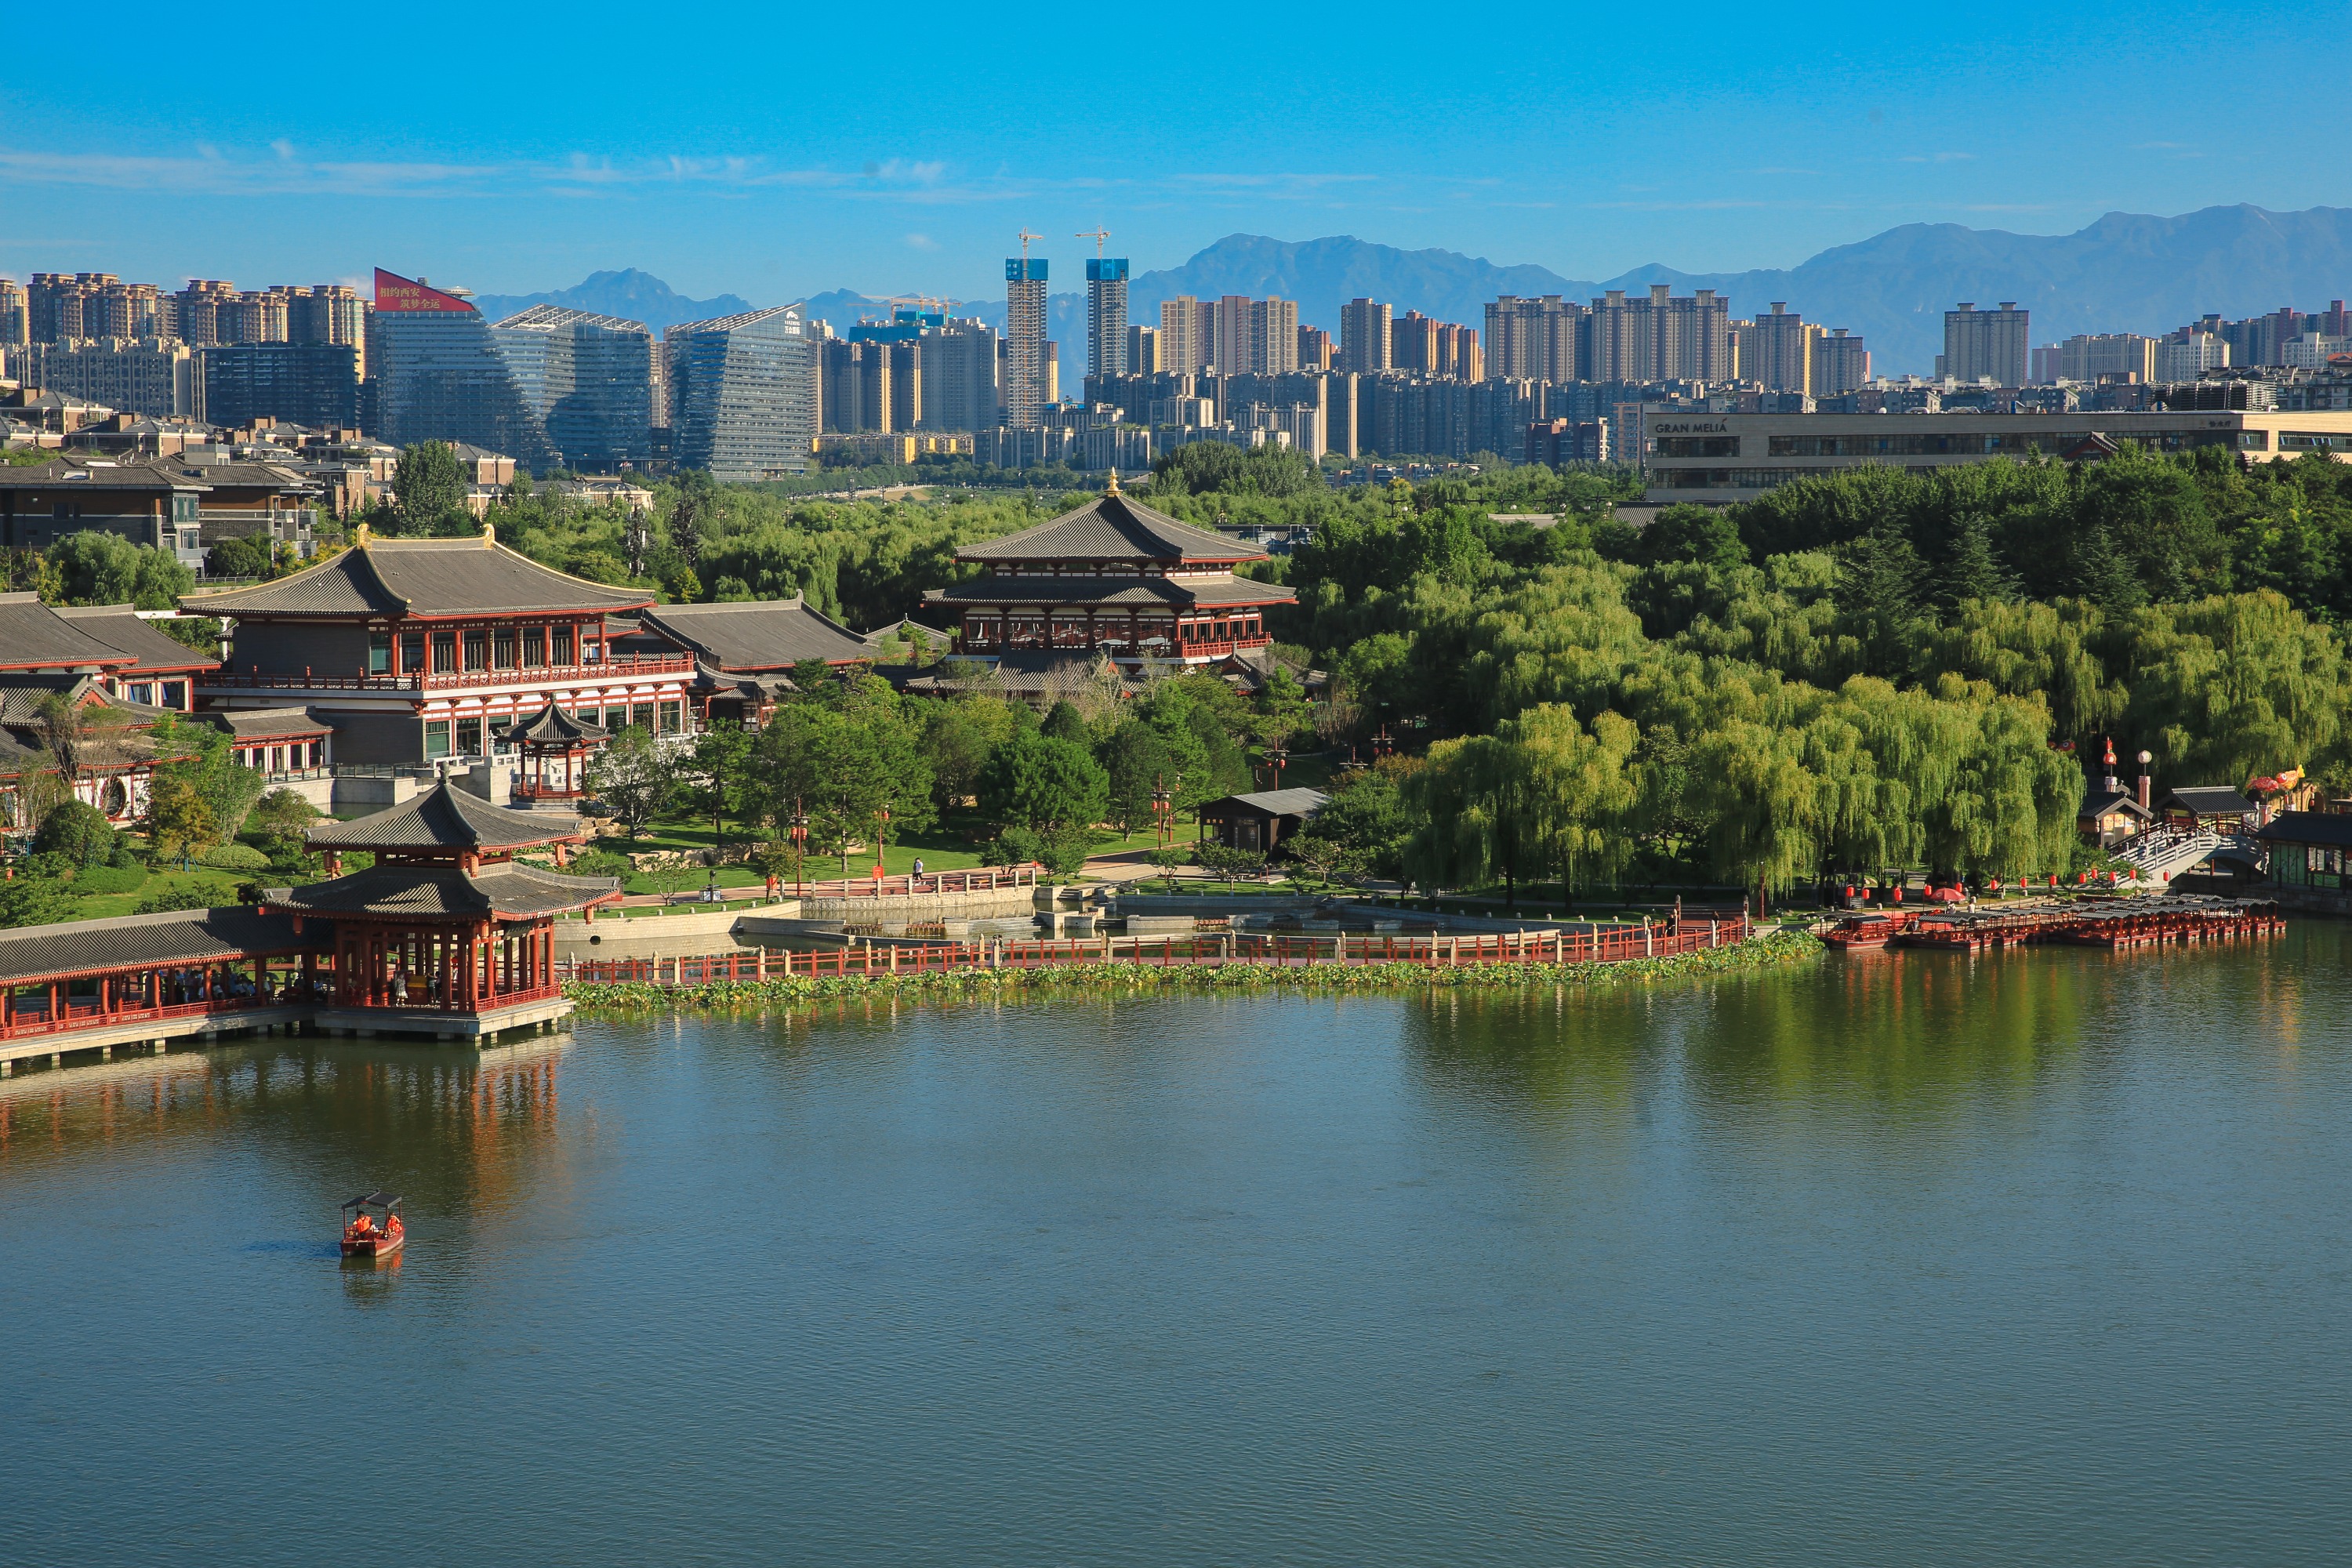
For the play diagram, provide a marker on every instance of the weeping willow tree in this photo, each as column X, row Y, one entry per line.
column 1543, row 793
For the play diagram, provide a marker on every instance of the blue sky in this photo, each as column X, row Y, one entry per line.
column 775, row 152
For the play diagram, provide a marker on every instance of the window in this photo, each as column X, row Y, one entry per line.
column 469, row 737
column 670, row 718
column 175, row 694
column 477, row 650
column 563, row 645
column 1698, row 446
column 143, row 693
column 412, row 652
column 379, row 653
column 445, row 652
column 534, row 648
column 436, row 738
column 616, row 720
column 641, row 716
column 503, row 646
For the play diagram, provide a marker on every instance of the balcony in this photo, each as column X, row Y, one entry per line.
column 542, row 675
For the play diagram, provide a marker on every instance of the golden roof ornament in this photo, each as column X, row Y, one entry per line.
column 361, row 535
column 489, row 535
column 1114, row 483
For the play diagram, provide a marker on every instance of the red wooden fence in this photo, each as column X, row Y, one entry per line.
column 1612, row 945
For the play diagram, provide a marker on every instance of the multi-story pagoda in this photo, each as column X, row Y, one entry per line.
column 446, row 932
column 1114, row 577
column 418, row 649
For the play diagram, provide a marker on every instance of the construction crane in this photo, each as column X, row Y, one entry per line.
column 1025, row 237
column 1097, row 234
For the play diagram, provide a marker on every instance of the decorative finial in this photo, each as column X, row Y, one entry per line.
column 490, row 534
column 360, row 536
column 1114, row 483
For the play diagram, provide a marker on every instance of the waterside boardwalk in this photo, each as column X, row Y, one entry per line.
column 1601, row 944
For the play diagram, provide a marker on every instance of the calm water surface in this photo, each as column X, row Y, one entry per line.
column 2034, row 1258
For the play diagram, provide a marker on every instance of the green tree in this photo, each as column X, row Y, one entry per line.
column 428, row 488
column 179, row 821
column 34, row 901
column 1136, row 763
column 959, row 734
column 95, row 568
column 1065, row 722
column 633, row 779
column 278, row 823
column 1039, row 783
column 720, row 772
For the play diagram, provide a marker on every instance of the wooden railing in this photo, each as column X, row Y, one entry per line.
column 1600, row 946
column 602, row 672
column 28, row 1021
column 986, row 879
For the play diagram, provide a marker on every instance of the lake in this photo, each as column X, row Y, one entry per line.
column 2032, row 1258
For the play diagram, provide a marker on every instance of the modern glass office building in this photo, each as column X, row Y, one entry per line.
column 589, row 378
column 316, row 385
column 436, row 374
column 743, row 394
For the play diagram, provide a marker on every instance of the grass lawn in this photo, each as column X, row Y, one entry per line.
column 100, row 906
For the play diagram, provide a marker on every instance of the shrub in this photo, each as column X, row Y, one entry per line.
column 33, row 902
column 205, row 895
column 233, row 857
column 599, row 863
column 78, row 831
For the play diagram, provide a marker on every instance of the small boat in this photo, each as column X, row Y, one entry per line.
column 1859, row 932
column 366, row 1236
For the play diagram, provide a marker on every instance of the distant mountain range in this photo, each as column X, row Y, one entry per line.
column 631, row 295
column 2125, row 272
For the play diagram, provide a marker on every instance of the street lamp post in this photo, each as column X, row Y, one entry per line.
column 881, row 831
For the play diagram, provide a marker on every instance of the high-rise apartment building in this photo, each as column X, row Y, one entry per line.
column 14, row 328
column 1429, row 347
column 1776, row 350
column 1106, row 316
column 589, row 378
column 257, row 316
column 2096, row 356
column 960, row 387
column 1024, row 342
column 1253, row 336
column 436, row 375
column 316, row 385
column 2187, row 354
column 1841, row 364
column 1187, row 329
column 1538, row 339
column 743, row 392
column 1316, row 349
column 1364, row 347
column 860, row 395
column 152, row 376
column 199, row 311
column 1981, row 346
column 327, row 313
column 59, row 305
column 1660, row 338
column 1143, row 351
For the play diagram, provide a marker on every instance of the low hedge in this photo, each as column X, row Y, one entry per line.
column 739, row 995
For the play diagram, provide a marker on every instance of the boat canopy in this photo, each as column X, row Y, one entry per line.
column 374, row 1200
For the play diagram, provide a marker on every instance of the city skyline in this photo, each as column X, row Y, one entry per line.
column 1618, row 156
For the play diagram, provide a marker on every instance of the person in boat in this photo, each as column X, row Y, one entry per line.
column 364, row 1227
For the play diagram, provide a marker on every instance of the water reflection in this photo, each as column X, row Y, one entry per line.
column 452, row 1129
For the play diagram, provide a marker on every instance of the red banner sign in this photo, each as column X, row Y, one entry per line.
column 393, row 292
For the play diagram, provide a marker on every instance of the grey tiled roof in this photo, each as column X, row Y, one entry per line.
column 446, row 819
column 1115, row 527
column 2211, row 800
column 150, row 474
column 35, row 637
column 1219, row 588
column 554, row 726
column 1276, row 802
column 502, row 892
column 2309, row 827
column 148, row 942
column 419, row 577
column 119, row 627
column 269, row 723
column 769, row 634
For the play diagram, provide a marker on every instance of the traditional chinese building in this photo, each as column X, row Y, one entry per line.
column 744, row 651
column 1113, row 575
column 419, row 649
column 448, row 932
column 112, row 751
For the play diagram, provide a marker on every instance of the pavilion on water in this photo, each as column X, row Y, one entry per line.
column 447, row 929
